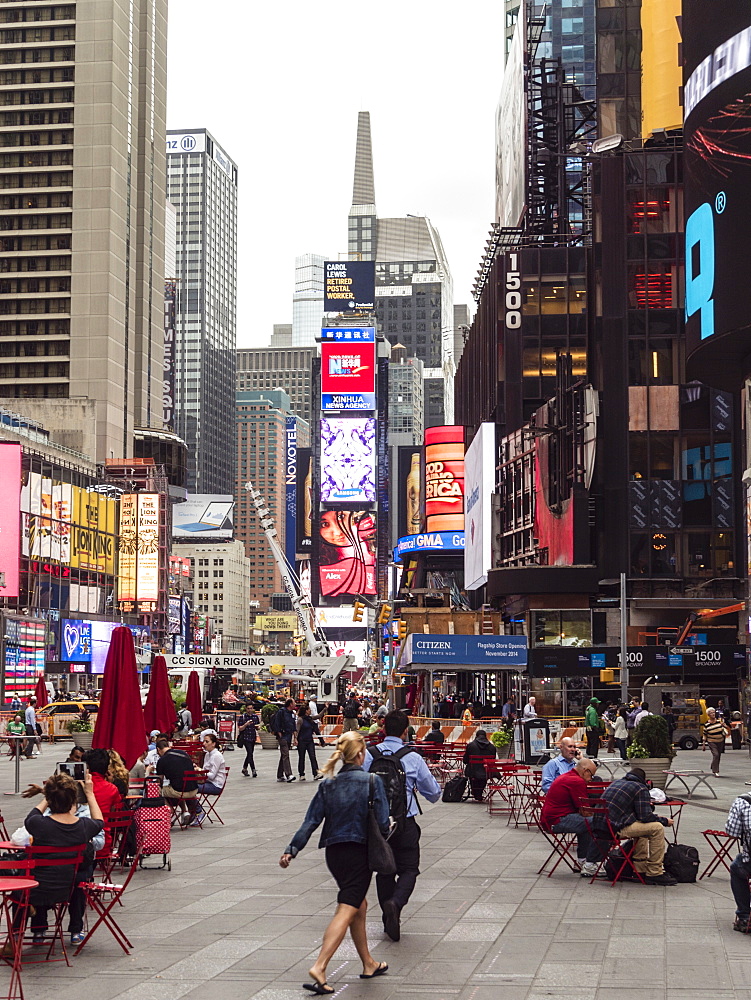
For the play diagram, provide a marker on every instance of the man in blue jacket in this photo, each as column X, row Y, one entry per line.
column 283, row 726
column 395, row 890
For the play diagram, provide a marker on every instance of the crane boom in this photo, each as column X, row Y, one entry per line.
column 316, row 646
column 705, row 615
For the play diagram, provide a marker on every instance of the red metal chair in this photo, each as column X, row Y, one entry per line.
column 38, row 859
column 102, row 897
column 562, row 845
column 176, row 803
column 601, row 829
column 208, row 803
column 721, row 844
column 118, row 824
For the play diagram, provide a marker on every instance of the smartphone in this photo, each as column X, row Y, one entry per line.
column 75, row 769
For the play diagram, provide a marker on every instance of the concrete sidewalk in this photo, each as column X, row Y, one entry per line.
column 227, row 922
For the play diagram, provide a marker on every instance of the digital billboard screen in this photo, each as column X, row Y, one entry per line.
column 348, row 460
column 348, row 375
column 10, row 517
column 717, row 108
column 347, row 552
column 444, row 478
column 203, row 515
column 348, row 285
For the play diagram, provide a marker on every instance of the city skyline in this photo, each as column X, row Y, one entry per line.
column 441, row 167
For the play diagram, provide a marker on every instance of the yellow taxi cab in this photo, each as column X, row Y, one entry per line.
column 69, row 707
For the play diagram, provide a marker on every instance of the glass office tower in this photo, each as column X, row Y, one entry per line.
column 202, row 185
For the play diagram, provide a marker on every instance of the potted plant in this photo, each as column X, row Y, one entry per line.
column 82, row 732
column 651, row 749
column 501, row 740
column 268, row 739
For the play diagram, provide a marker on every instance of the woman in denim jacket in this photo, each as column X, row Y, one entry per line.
column 341, row 803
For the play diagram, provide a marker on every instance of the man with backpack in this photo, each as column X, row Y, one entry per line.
column 738, row 824
column 284, row 726
column 404, row 774
column 350, row 714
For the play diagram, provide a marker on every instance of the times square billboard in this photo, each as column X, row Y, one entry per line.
column 717, row 129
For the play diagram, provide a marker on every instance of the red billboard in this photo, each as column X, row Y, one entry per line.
column 348, row 375
column 444, row 478
column 10, row 517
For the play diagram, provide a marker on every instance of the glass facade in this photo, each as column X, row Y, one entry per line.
column 203, row 189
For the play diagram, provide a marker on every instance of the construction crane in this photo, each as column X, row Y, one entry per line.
column 705, row 615
column 317, row 645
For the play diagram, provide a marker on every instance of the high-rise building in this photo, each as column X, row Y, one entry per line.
column 281, row 335
column 261, row 459
column 414, row 290
column 220, row 574
column 307, row 301
column 287, row 368
column 82, row 246
column 406, row 404
column 202, row 185
column 569, row 34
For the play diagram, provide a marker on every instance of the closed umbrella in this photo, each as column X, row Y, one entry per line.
column 119, row 721
column 40, row 692
column 159, row 710
column 193, row 698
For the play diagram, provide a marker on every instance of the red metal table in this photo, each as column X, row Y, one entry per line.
column 15, row 935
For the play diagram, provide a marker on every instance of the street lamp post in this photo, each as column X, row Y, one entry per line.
column 624, row 643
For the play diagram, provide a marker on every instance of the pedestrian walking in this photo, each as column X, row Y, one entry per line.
column 738, row 824
column 350, row 714
column 341, row 804
column 620, row 732
column 405, row 773
column 283, row 726
column 307, row 731
column 713, row 734
column 530, row 709
column 247, row 734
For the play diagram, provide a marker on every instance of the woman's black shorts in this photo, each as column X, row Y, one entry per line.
column 348, row 863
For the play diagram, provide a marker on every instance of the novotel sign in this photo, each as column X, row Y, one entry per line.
column 429, row 541
column 465, row 652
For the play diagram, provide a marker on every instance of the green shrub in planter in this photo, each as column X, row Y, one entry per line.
column 501, row 738
column 637, row 752
column 267, row 714
column 79, row 726
column 653, row 735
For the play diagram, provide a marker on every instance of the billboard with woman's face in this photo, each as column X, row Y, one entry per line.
column 347, row 546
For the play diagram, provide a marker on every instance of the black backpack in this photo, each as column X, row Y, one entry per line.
column 682, row 862
column 389, row 767
column 455, row 789
column 351, row 709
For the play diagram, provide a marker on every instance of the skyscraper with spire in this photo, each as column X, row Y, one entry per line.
column 414, row 290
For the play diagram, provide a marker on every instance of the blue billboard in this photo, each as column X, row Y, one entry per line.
column 465, row 652
column 429, row 541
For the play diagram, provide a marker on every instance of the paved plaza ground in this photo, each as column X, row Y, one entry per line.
column 228, row 924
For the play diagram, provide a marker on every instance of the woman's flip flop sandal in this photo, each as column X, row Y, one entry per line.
column 383, row 967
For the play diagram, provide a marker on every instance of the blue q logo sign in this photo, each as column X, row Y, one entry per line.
column 700, row 264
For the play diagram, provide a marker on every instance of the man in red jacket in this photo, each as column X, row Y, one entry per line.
column 561, row 810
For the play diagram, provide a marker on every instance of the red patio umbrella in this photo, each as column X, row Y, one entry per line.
column 159, row 710
column 193, row 700
column 40, row 692
column 119, row 721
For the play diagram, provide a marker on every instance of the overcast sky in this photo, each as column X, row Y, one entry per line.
column 280, row 85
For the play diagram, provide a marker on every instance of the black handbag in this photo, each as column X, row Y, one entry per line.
column 380, row 855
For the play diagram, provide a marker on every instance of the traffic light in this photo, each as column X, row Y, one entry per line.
column 401, row 629
column 607, row 676
column 384, row 615
column 357, row 611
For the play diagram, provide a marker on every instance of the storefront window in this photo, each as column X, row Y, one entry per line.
column 561, row 628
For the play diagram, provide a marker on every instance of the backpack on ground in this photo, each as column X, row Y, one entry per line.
column 615, row 860
column 389, row 767
column 455, row 789
column 682, row 862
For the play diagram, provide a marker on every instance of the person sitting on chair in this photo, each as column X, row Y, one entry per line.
column 478, row 751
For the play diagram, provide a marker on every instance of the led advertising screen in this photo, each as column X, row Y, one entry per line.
column 348, row 375
column 346, row 552
column 717, row 109
column 304, row 502
column 25, row 643
column 444, row 478
column 348, row 460
column 290, row 490
column 203, row 516
column 138, row 550
column 348, row 285
column 479, row 485
column 10, row 518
